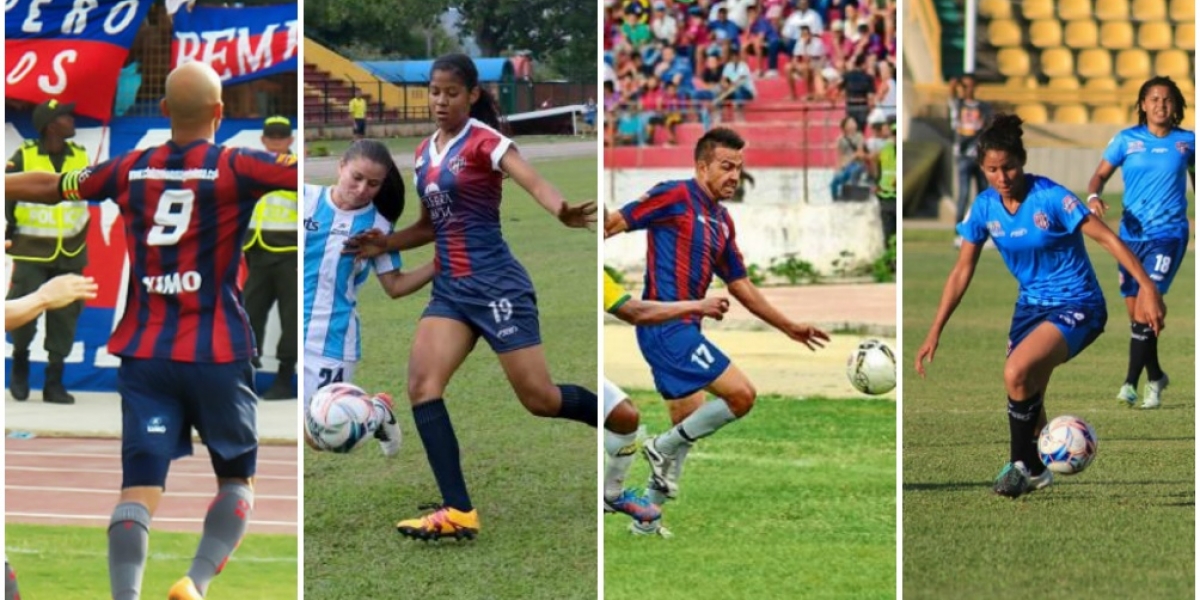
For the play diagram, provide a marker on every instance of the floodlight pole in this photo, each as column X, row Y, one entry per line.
column 971, row 19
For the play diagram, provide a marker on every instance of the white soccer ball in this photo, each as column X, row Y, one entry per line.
column 871, row 368
column 339, row 417
column 1067, row 445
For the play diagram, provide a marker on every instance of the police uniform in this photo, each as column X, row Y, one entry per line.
column 886, row 191
column 271, row 258
column 47, row 241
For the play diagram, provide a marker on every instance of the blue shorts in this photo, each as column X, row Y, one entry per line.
column 1080, row 325
column 499, row 305
column 163, row 400
column 681, row 359
column 1160, row 258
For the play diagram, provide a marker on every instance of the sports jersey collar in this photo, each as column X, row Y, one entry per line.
column 187, row 146
column 327, row 197
column 435, row 157
column 695, row 184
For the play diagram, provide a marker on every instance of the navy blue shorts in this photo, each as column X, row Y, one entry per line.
column 500, row 305
column 1080, row 325
column 1160, row 259
column 360, row 126
column 681, row 359
column 163, row 400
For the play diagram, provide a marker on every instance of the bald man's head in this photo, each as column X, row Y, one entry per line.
column 193, row 94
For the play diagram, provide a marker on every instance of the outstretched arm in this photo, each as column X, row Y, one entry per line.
column 752, row 298
column 372, row 242
column 33, row 186
column 582, row 215
column 56, row 293
column 649, row 312
column 400, row 283
column 952, row 293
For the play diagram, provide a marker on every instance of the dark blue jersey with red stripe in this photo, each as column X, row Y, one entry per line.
column 460, row 189
column 186, row 210
column 690, row 238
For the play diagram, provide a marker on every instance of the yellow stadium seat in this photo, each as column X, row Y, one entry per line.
column 1187, row 88
column 1185, row 36
column 1096, row 62
column 1189, row 120
column 1058, row 62
column 1116, row 35
column 1021, row 83
column 1037, row 9
column 1013, row 62
column 1149, row 10
column 1111, row 115
column 1154, row 35
column 1063, row 83
column 1112, row 10
column 996, row 9
column 1045, row 34
column 1173, row 64
column 1130, row 88
column 1100, row 84
column 1081, row 34
column 1074, row 10
column 1004, row 32
column 1183, row 10
column 1133, row 64
column 1071, row 114
column 1034, row 114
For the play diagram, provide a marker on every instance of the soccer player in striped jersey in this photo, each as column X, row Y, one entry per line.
column 621, row 417
column 369, row 194
column 185, row 342
column 691, row 239
column 1157, row 159
column 480, row 290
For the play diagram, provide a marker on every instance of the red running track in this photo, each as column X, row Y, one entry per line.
column 76, row 481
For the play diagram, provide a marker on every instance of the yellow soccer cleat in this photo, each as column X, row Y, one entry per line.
column 445, row 522
column 184, row 589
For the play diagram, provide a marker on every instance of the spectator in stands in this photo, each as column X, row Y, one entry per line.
column 650, row 100
column 674, row 69
column 808, row 60
column 854, row 22
column 663, row 25
column 884, row 171
column 852, row 158
column 710, row 76
column 737, row 83
column 695, row 38
column 763, row 41
column 739, row 12
column 803, row 16
column 673, row 107
column 358, row 112
column 968, row 118
column 885, row 94
column 635, row 30
column 838, row 48
column 859, row 88
column 726, row 34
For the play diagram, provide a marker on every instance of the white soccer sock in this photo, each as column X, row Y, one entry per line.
column 707, row 419
column 620, row 448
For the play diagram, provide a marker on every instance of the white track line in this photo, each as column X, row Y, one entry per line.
column 169, row 494
column 77, row 517
column 260, row 461
column 152, row 556
column 118, row 472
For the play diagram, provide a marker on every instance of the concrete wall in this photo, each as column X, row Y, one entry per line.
column 768, row 225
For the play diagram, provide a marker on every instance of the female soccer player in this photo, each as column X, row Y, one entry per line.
column 1157, row 159
column 1038, row 227
column 479, row 290
column 369, row 193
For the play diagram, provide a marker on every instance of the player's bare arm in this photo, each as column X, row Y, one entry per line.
column 752, row 298
column 649, row 312
column 580, row 215
column 952, row 293
column 56, row 293
column 33, row 186
column 402, row 283
column 372, row 242
column 1149, row 308
column 614, row 223
column 1096, row 187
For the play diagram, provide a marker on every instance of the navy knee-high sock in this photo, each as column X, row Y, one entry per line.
column 441, row 448
column 1022, row 427
column 578, row 404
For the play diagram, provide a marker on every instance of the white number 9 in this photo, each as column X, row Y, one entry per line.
column 172, row 217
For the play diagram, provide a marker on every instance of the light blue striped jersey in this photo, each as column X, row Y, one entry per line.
column 332, row 278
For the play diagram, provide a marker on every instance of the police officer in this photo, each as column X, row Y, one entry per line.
column 47, row 241
column 271, row 258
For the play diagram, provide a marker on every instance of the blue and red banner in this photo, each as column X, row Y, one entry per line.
column 70, row 51
column 240, row 44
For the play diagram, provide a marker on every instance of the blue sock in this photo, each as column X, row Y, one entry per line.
column 441, row 448
column 578, row 404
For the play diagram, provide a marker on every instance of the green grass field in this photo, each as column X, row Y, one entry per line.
column 533, row 480
column 796, row 501
column 406, row 146
column 70, row 563
column 1122, row 529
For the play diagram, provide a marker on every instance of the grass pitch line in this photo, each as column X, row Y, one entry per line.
column 74, row 490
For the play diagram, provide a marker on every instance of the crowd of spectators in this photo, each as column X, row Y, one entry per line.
column 674, row 61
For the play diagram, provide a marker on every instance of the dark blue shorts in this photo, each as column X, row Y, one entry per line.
column 500, row 305
column 1080, row 325
column 163, row 400
column 681, row 359
column 1160, row 259
column 360, row 126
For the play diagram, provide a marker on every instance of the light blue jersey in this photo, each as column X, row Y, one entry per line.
column 332, row 278
column 1042, row 243
column 1155, row 172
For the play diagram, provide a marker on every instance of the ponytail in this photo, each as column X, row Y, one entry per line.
column 389, row 201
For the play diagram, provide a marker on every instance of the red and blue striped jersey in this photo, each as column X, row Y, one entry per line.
column 460, row 188
column 186, row 210
column 690, row 237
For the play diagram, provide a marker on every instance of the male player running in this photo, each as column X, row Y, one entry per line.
column 185, row 342
column 691, row 238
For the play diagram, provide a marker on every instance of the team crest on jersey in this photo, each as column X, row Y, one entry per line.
column 456, row 164
column 995, row 229
column 1135, row 146
column 286, row 160
column 1182, row 147
column 1070, row 203
column 1041, row 220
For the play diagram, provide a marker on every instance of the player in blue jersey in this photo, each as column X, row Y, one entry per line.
column 369, row 194
column 1157, row 159
column 1038, row 226
column 479, row 290
column 691, row 238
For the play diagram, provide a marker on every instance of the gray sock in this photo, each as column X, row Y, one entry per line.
column 707, row 419
column 224, row 526
column 128, row 544
column 10, row 583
